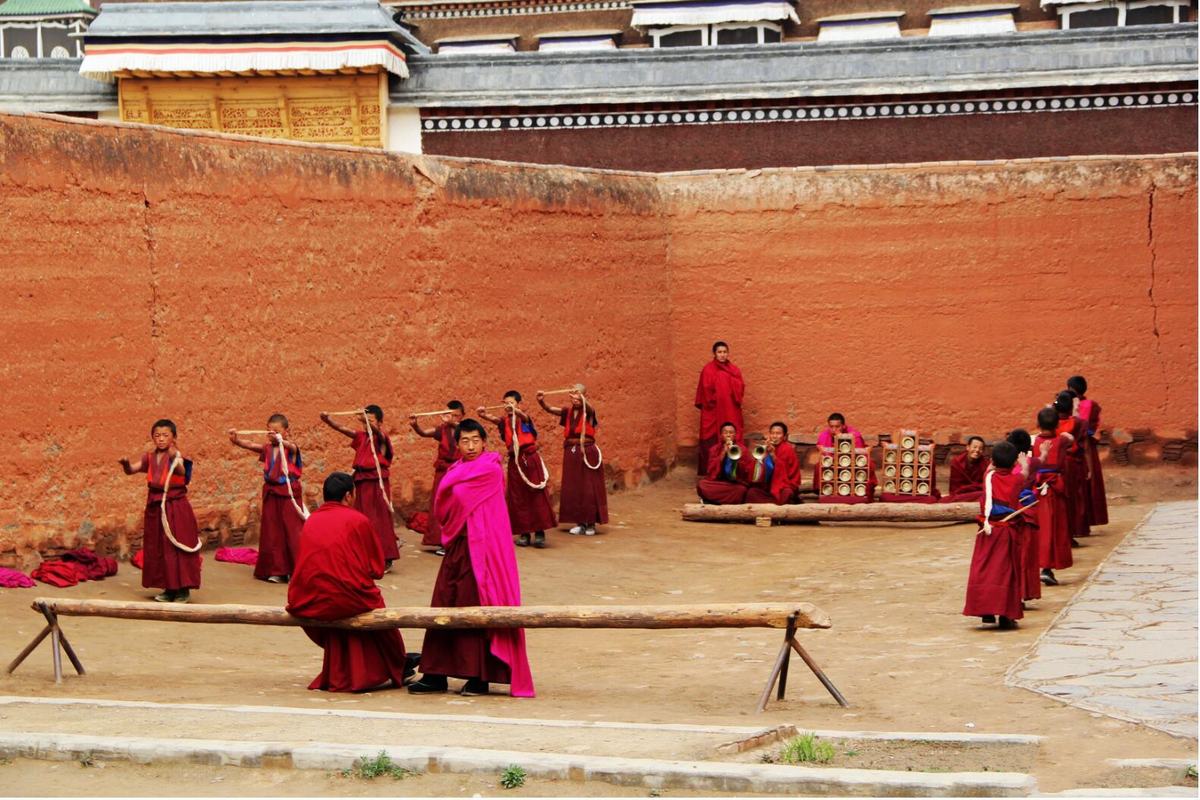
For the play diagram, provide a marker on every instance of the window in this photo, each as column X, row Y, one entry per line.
column 717, row 35
column 1118, row 13
column 1150, row 15
column 60, row 52
column 19, row 52
column 1100, row 18
column 737, row 36
column 712, row 23
column 685, row 37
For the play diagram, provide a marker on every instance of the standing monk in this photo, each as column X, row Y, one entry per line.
column 372, row 488
column 171, row 539
column 527, row 497
column 966, row 472
column 1054, row 525
column 722, row 485
column 480, row 569
column 334, row 578
column 447, row 454
column 583, row 498
column 1027, row 523
column 1075, row 467
column 1089, row 412
column 283, row 510
column 994, row 584
column 719, row 397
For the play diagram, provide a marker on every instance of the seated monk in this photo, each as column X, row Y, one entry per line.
column 776, row 478
column 340, row 559
column 837, row 427
column 966, row 472
column 721, row 485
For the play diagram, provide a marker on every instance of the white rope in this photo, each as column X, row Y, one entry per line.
column 287, row 478
column 514, row 454
column 987, row 503
column 583, row 438
column 177, row 462
column 378, row 469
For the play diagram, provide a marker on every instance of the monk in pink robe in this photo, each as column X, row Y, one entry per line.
column 994, row 585
column 447, row 454
column 372, row 465
column 719, row 397
column 966, row 472
column 334, row 578
column 1089, row 412
column 722, row 485
column 838, row 427
column 479, row 569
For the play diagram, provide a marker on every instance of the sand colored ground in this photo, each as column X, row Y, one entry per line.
column 899, row 650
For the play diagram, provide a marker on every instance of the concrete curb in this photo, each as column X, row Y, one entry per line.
column 1150, row 791
column 728, row 778
column 1164, row 763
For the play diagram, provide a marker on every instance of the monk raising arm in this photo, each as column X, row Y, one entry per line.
column 337, row 426
column 428, row 433
column 555, row 410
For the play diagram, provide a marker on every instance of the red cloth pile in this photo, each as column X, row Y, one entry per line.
column 14, row 579
column 75, row 566
column 238, row 555
column 418, row 522
column 138, row 558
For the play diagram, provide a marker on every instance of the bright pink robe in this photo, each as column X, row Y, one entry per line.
column 826, row 437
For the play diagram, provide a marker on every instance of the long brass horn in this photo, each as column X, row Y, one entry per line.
column 579, row 388
column 735, row 452
column 433, row 413
column 760, row 452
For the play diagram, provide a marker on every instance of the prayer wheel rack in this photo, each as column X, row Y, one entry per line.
column 728, row 615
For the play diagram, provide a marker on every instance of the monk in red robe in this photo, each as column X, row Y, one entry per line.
column 719, row 397
column 283, row 510
column 994, row 585
column 447, row 454
column 171, row 539
column 1089, row 411
column 836, row 426
column 1075, row 466
column 334, row 578
column 966, row 472
column 372, row 462
column 526, row 494
column 583, row 497
column 480, row 569
column 722, row 485
column 1027, row 523
column 777, row 478
column 1054, row 525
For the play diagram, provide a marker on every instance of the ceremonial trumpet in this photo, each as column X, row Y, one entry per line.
column 759, row 452
column 734, row 453
column 578, row 388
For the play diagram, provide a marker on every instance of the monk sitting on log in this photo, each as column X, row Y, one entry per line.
column 967, row 471
column 721, row 486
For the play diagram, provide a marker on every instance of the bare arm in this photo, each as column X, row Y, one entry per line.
column 337, row 426
column 134, row 464
column 242, row 443
column 485, row 415
column 555, row 410
column 428, row 433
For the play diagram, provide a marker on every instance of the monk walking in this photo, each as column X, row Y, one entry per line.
column 283, row 510
column 994, row 584
column 583, row 498
column 966, row 472
column 526, row 494
column 1027, row 523
column 1054, row 525
column 334, row 578
column 719, row 397
column 1089, row 412
column 373, row 489
column 171, row 539
column 480, row 569
column 722, row 486
column 447, row 454
column 1074, row 468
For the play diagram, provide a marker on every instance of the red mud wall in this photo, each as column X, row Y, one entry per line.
column 216, row 281
column 951, row 298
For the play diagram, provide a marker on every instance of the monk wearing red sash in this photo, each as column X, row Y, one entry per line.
column 1075, row 466
column 171, row 539
column 373, row 489
column 1089, row 412
column 837, row 427
column 1027, row 523
column 526, row 494
column 722, row 485
column 583, row 498
column 776, row 477
column 283, row 511
column 994, row 584
column 480, row 569
column 966, row 472
column 334, row 578
column 1054, row 531
column 719, row 397
column 447, row 454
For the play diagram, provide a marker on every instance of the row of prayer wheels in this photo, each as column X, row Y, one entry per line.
column 907, row 466
column 845, row 469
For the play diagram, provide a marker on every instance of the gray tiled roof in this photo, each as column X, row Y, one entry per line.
column 1089, row 57
column 51, row 84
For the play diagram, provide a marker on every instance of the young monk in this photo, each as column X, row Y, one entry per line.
column 334, row 578
column 171, row 539
column 719, row 397
column 583, row 498
column 994, row 584
column 372, row 490
column 283, row 511
column 777, row 479
column 480, row 569
column 966, row 472
column 1089, row 412
column 1054, row 532
column 836, row 427
column 447, row 454
column 1027, row 523
column 527, row 497
column 722, row 486
column 1075, row 466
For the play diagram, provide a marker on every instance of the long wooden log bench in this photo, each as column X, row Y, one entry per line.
column 764, row 513
column 731, row 615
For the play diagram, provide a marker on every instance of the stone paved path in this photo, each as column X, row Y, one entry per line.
column 1125, row 646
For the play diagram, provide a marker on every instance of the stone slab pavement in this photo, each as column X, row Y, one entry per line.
column 1125, row 646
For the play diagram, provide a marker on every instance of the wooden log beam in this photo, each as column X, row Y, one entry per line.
column 730, row 615
column 833, row 512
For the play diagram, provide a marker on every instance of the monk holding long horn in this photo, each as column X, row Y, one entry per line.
column 583, row 498
column 372, row 462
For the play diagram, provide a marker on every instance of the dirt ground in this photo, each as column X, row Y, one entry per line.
column 899, row 650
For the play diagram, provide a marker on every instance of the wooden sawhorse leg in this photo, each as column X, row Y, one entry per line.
column 779, row 673
column 58, row 643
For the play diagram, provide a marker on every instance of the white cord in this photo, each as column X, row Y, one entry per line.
column 177, row 462
column 583, row 437
column 987, row 503
column 378, row 469
column 515, row 455
column 287, row 476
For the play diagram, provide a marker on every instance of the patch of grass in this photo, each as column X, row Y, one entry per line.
column 513, row 777
column 87, row 760
column 368, row 769
column 806, row 748
column 767, row 758
column 5, row 761
column 851, row 753
column 1190, row 772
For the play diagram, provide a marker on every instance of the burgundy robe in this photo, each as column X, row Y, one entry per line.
column 966, row 478
column 529, row 509
column 719, row 396
column 781, row 484
column 165, row 566
column 1097, row 507
column 996, row 579
column 334, row 578
column 1074, row 471
column 1054, row 532
column 279, row 532
column 447, row 454
column 368, row 498
column 583, row 497
column 721, row 486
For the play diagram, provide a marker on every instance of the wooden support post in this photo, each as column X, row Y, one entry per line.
column 52, row 620
column 789, row 636
column 780, row 672
column 779, row 660
column 29, row 648
column 820, row 674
